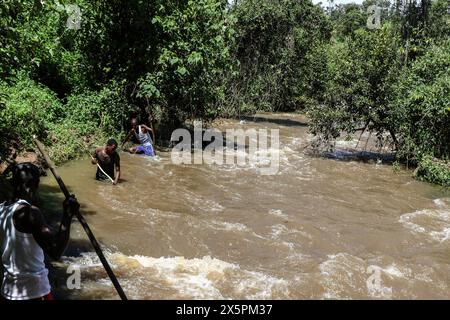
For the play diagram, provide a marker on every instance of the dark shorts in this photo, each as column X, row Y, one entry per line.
column 147, row 150
column 101, row 176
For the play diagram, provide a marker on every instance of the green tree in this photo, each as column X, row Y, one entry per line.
column 361, row 72
column 274, row 43
column 191, row 56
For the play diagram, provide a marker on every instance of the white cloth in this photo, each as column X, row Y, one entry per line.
column 24, row 273
column 144, row 138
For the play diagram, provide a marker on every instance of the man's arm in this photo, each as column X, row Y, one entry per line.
column 94, row 156
column 126, row 138
column 29, row 219
column 147, row 128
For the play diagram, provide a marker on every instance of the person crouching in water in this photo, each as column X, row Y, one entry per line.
column 25, row 237
column 108, row 159
column 142, row 134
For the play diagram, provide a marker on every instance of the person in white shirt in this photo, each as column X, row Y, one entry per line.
column 25, row 237
column 142, row 134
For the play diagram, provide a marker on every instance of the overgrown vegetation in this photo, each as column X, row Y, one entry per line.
column 75, row 83
column 278, row 47
column 392, row 81
column 74, row 86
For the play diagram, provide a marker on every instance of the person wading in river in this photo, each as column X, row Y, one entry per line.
column 108, row 159
column 25, row 237
column 142, row 134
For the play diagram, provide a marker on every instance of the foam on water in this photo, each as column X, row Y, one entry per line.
column 197, row 202
column 346, row 143
column 433, row 223
column 278, row 230
column 254, row 162
column 281, row 231
column 345, row 276
column 442, row 202
column 278, row 213
column 342, row 275
column 178, row 277
column 228, row 226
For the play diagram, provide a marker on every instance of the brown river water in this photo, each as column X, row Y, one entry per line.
column 318, row 229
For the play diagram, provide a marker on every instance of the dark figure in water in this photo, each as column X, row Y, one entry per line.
column 142, row 135
column 25, row 237
column 108, row 159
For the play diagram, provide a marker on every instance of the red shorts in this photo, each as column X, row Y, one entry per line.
column 44, row 298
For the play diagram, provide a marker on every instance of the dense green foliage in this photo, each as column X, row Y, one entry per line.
column 278, row 48
column 434, row 170
column 360, row 72
column 74, row 78
column 393, row 81
column 190, row 59
column 67, row 85
column 422, row 103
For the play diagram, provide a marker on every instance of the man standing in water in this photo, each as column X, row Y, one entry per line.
column 142, row 134
column 25, row 237
column 108, row 159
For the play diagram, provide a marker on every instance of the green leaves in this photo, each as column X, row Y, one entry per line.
column 181, row 71
column 434, row 170
column 422, row 100
column 28, row 109
column 195, row 57
column 274, row 42
column 192, row 49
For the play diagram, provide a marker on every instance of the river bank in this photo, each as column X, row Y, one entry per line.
column 360, row 146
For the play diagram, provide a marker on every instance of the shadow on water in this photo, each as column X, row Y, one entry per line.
column 364, row 156
column 50, row 200
column 283, row 122
column 190, row 145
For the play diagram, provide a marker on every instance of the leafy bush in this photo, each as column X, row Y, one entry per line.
column 434, row 170
column 71, row 140
column 106, row 110
column 191, row 56
column 28, row 109
column 422, row 105
column 274, row 43
column 91, row 118
column 361, row 71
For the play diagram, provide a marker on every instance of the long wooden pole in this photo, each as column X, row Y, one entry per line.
column 151, row 122
column 126, row 139
column 83, row 222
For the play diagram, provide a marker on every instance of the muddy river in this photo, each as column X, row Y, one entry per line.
column 318, row 229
